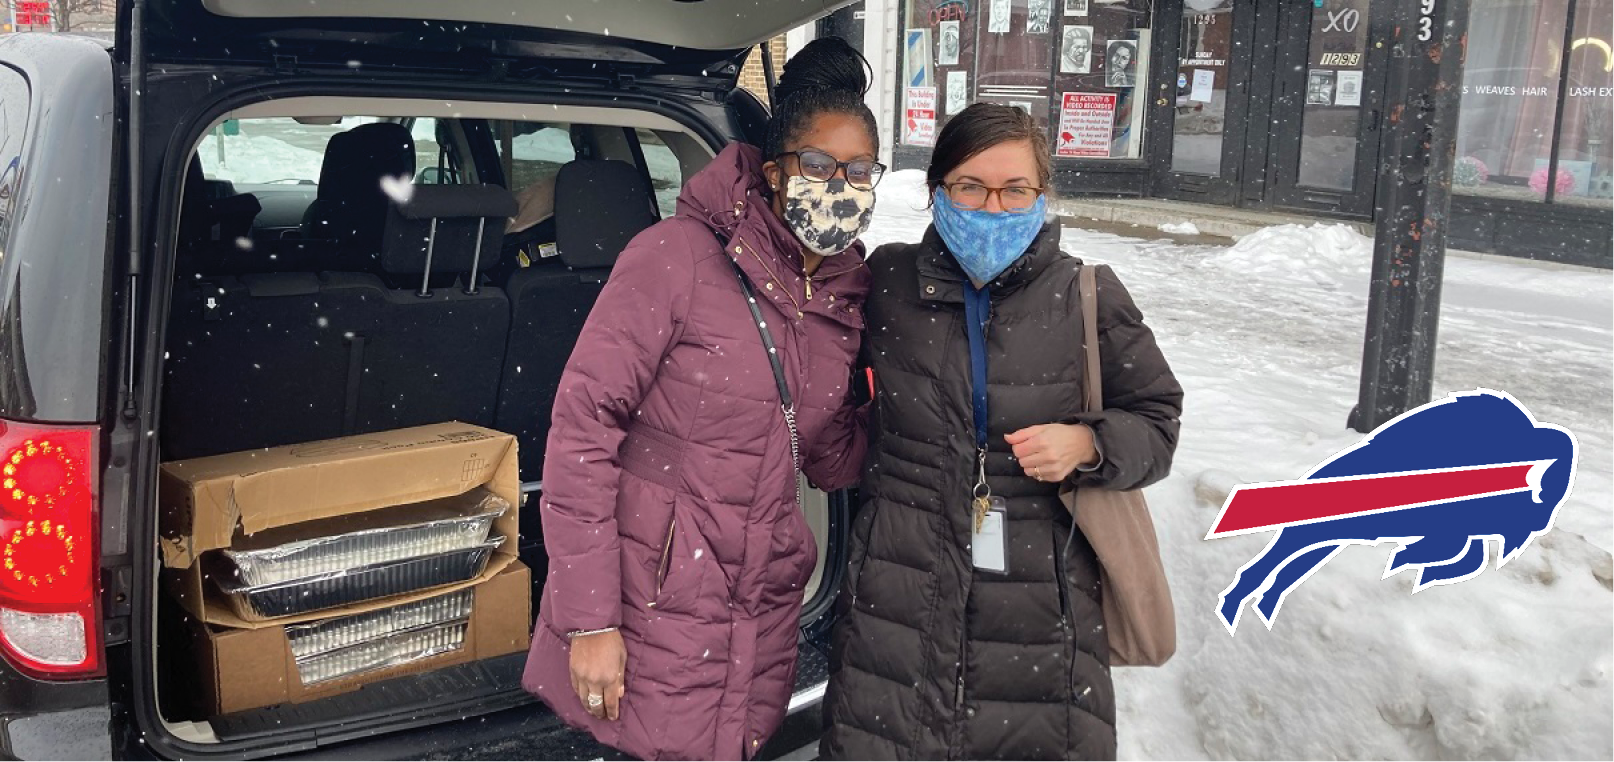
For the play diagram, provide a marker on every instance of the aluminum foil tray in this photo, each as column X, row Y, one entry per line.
column 365, row 547
column 298, row 596
column 308, row 640
column 393, row 650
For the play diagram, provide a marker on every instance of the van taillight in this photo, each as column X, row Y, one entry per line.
column 49, row 627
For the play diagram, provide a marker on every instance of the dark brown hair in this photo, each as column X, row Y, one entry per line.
column 979, row 127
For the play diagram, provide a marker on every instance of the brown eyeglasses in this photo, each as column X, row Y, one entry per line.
column 1015, row 199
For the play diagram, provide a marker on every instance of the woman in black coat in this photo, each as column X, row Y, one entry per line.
column 967, row 634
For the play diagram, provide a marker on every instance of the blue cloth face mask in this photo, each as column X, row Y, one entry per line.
column 986, row 243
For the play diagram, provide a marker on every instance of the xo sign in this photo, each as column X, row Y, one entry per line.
column 1343, row 21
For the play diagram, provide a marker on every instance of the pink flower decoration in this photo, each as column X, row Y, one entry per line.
column 1565, row 181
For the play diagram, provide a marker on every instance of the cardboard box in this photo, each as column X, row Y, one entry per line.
column 209, row 502
column 247, row 669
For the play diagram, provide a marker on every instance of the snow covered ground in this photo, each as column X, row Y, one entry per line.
column 252, row 159
column 1266, row 338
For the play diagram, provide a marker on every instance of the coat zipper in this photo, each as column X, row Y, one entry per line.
column 666, row 556
column 1066, row 614
column 806, row 279
column 742, row 245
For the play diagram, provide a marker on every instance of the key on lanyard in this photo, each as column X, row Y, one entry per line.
column 983, row 494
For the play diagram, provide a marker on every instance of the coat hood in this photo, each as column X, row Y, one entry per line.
column 730, row 193
column 730, row 196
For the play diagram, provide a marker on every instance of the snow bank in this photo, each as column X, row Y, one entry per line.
column 258, row 159
column 1316, row 253
column 901, row 209
column 1512, row 664
column 552, row 144
column 1180, row 228
column 1266, row 338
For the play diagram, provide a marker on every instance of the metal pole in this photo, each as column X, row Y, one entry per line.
column 767, row 71
column 1563, row 98
column 426, row 277
column 1413, row 208
column 135, row 144
column 476, row 257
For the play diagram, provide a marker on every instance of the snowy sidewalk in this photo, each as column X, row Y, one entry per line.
column 1266, row 338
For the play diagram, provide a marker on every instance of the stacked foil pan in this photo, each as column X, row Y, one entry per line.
column 446, row 542
column 335, row 634
column 352, row 645
column 364, row 583
column 324, row 555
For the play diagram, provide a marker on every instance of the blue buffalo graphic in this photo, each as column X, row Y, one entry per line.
column 1440, row 481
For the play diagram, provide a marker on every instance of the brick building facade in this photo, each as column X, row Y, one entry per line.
column 752, row 77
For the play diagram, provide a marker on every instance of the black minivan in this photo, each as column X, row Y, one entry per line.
column 202, row 251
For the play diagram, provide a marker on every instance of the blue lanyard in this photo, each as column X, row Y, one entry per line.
column 977, row 311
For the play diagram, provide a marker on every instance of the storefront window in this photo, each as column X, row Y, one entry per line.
column 1102, row 79
column 1015, row 55
column 1584, row 135
column 1510, row 93
column 1074, row 65
column 1202, row 87
column 1332, row 114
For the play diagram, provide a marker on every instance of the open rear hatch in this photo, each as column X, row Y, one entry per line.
column 694, row 38
column 700, row 43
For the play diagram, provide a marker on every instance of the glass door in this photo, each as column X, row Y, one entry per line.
column 1205, row 100
column 1328, row 107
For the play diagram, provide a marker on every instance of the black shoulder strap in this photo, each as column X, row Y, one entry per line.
column 767, row 337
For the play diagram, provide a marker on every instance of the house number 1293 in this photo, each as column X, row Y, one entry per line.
column 1426, row 21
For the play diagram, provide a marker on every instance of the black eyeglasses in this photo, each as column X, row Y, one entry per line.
column 820, row 167
column 1015, row 199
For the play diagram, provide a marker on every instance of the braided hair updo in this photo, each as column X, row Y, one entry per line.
column 827, row 76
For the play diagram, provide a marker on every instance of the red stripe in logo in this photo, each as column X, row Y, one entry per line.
column 1264, row 507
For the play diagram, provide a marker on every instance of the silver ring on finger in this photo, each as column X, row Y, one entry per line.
column 595, row 700
column 1037, row 471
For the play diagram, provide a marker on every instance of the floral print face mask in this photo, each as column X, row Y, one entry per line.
column 985, row 243
column 827, row 217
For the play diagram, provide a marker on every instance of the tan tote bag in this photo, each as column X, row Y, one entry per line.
column 1136, row 599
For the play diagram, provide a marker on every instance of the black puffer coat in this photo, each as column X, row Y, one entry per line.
column 933, row 659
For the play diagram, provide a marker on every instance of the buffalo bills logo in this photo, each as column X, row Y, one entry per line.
column 1441, row 481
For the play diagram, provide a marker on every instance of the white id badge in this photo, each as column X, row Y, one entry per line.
column 990, row 544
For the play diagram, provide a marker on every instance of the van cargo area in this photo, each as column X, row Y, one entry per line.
column 372, row 304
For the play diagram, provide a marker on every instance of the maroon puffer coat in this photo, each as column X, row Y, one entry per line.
column 669, row 505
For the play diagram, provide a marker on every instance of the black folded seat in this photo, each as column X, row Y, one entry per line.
column 213, row 219
column 441, row 348
column 260, row 360
column 600, row 205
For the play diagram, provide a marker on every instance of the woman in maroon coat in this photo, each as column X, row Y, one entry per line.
column 678, row 550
